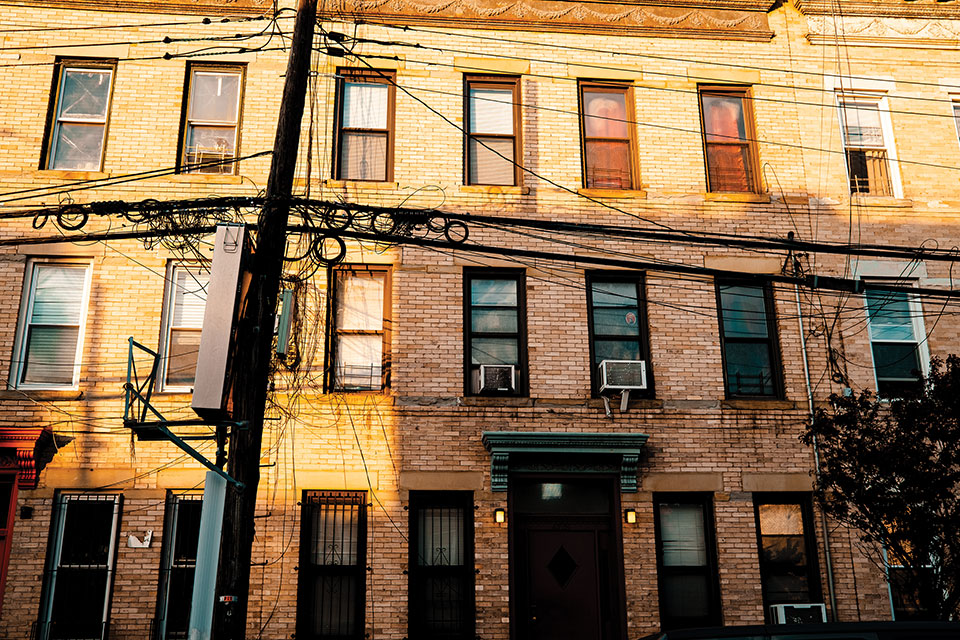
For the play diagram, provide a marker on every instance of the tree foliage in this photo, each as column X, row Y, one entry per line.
column 891, row 470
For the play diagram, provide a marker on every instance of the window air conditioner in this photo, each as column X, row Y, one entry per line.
column 623, row 375
column 798, row 613
column 498, row 377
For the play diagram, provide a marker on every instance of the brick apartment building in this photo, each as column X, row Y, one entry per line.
column 430, row 392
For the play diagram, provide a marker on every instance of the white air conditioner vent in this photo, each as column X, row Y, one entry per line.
column 798, row 613
column 498, row 378
column 623, row 375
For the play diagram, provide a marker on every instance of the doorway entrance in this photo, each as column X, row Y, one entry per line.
column 566, row 558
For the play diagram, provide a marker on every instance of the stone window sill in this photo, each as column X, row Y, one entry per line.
column 494, row 189
column 760, row 198
column 360, row 184
column 613, row 193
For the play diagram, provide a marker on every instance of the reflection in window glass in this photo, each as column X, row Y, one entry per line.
column 606, row 136
column 895, row 323
column 788, row 573
column 729, row 151
column 747, row 340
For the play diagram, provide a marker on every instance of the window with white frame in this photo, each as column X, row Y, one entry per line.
column 956, row 113
column 50, row 337
column 868, row 145
column 212, row 119
column 81, row 107
column 897, row 340
column 81, row 560
column 185, row 301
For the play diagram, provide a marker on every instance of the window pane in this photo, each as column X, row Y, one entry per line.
column 486, row 167
column 182, row 357
column 365, row 105
column 85, row 94
column 781, row 519
column 58, row 294
column 335, row 531
column 494, row 351
column 78, row 599
column 682, row 535
column 616, row 322
column 788, row 587
column 729, row 168
column 744, row 312
column 363, row 156
column 190, row 297
column 78, row 146
column 360, row 302
column 605, row 114
column 685, row 596
column 789, row 550
column 87, row 532
column 896, row 361
column 50, row 355
column 333, row 608
column 861, row 124
column 209, row 143
column 723, row 118
column 956, row 115
column 441, row 537
column 614, row 294
column 748, row 368
column 493, row 293
column 359, row 361
column 608, row 164
column 890, row 315
column 491, row 111
column 442, row 600
column 214, row 97
column 494, row 321
column 616, row 350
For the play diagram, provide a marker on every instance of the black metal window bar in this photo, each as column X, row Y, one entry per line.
column 181, row 536
column 332, row 589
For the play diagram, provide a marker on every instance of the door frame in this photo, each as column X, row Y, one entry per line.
column 617, row 575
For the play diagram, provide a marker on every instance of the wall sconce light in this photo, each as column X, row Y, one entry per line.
column 630, row 516
column 499, row 515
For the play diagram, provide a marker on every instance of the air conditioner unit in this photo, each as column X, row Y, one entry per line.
column 798, row 613
column 498, row 377
column 623, row 375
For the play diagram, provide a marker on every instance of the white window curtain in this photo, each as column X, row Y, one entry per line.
column 365, row 105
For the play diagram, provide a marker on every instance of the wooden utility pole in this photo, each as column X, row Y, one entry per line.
column 252, row 359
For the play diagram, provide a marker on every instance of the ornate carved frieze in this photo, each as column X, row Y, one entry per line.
column 879, row 31
column 202, row 7
column 726, row 19
column 19, row 443
column 881, row 8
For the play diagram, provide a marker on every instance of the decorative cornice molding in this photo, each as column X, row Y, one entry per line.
column 723, row 19
column 623, row 448
column 21, row 441
column 875, row 31
column 880, row 8
column 201, row 7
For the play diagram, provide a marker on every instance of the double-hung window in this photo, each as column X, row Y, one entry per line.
column 185, row 300
column 81, row 109
column 492, row 139
column 686, row 561
column 617, row 323
column 748, row 339
column 333, row 565
column 897, row 340
column 608, row 137
column 50, row 338
column 441, row 565
column 80, row 567
column 867, row 143
column 495, row 333
column 364, row 132
column 729, row 140
column 788, row 553
column 360, row 337
column 181, row 535
column 212, row 126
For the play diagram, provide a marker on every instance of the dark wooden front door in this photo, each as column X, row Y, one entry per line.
column 567, row 568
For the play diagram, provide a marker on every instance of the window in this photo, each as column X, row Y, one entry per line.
column 360, row 340
column 50, row 338
column 748, row 339
column 441, row 565
column 686, row 561
column 496, row 334
column 608, row 135
column 8, row 510
column 956, row 114
column 181, row 535
column 617, row 321
column 788, row 565
column 364, row 144
column 80, row 567
column 493, row 113
column 906, row 595
column 867, row 138
column 211, row 128
column 897, row 340
column 185, row 299
column 729, row 140
column 81, row 109
column 333, row 569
